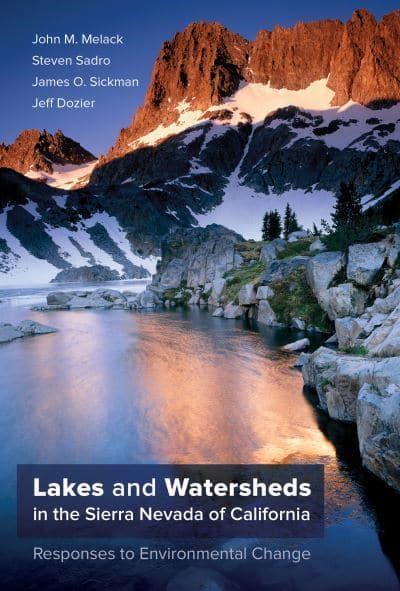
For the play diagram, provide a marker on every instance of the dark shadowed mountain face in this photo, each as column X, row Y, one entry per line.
column 45, row 231
column 229, row 128
column 292, row 148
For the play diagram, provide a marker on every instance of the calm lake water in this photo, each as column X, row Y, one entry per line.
column 180, row 386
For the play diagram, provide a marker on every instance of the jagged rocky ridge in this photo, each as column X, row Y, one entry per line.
column 297, row 109
column 40, row 154
column 206, row 63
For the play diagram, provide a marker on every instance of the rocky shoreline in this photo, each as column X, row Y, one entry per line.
column 353, row 296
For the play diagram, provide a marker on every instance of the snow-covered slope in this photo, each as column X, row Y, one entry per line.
column 346, row 125
column 260, row 149
column 21, row 266
column 64, row 176
column 48, row 234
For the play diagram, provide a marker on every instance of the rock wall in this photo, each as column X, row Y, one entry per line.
column 196, row 256
column 206, row 63
column 360, row 382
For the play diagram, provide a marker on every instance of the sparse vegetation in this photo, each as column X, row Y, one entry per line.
column 325, row 383
column 340, row 277
column 316, row 231
column 179, row 295
column 293, row 298
column 364, row 231
column 360, row 350
column 376, row 390
column 249, row 250
column 236, row 278
column 349, row 224
column 298, row 248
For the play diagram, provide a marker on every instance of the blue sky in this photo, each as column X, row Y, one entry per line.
column 145, row 24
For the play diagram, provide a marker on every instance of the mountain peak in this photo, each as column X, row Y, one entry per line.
column 201, row 66
column 205, row 64
column 362, row 15
column 35, row 150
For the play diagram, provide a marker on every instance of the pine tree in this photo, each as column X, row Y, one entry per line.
column 272, row 225
column 315, row 230
column 275, row 225
column 348, row 209
column 265, row 226
column 290, row 223
column 286, row 221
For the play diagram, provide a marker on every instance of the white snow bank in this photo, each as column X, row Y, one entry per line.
column 66, row 176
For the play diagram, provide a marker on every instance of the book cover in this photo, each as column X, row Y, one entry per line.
column 200, row 295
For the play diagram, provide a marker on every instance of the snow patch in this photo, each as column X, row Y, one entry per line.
column 260, row 100
column 119, row 237
column 192, row 136
column 369, row 200
column 61, row 200
column 64, row 176
column 186, row 119
column 32, row 208
column 67, row 250
column 26, row 268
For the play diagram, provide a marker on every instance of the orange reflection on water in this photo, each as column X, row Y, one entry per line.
column 121, row 387
column 220, row 398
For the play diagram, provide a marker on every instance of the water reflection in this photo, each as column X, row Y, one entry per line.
column 114, row 386
column 216, row 396
column 373, row 498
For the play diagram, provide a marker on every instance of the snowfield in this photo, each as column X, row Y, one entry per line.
column 68, row 176
column 260, row 100
column 349, row 126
